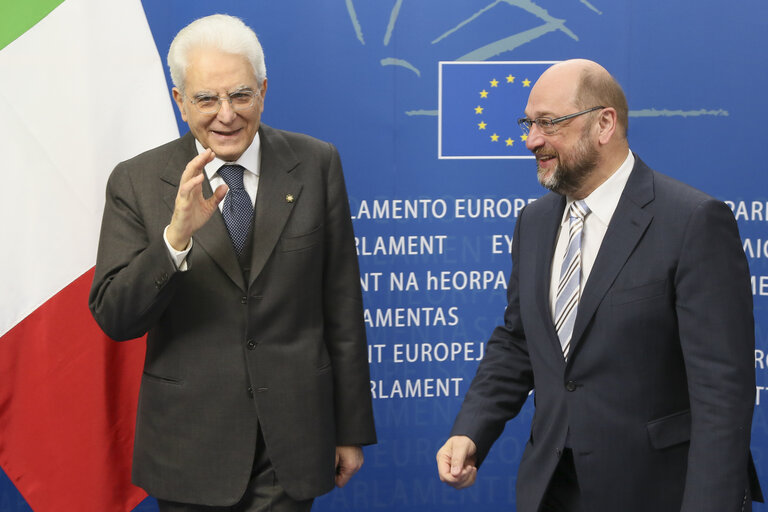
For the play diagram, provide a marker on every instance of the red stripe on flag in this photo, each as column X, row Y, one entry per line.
column 68, row 407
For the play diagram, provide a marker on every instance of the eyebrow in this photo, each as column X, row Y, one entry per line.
column 545, row 113
column 242, row 88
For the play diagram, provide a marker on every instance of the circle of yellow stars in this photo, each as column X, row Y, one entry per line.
column 482, row 125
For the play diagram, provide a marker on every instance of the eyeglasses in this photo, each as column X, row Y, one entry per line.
column 210, row 104
column 547, row 125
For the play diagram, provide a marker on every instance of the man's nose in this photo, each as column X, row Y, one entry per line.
column 535, row 137
column 226, row 113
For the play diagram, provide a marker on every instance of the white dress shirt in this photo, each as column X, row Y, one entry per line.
column 250, row 160
column 602, row 203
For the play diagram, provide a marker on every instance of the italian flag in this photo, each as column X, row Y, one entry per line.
column 81, row 88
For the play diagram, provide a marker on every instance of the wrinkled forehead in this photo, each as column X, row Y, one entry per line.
column 553, row 94
column 213, row 70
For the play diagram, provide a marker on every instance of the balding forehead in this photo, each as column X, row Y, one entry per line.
column 553, row 93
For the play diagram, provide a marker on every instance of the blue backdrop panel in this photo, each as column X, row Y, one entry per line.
column 434, row 233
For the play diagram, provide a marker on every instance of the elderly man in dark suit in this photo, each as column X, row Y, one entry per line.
column 255, row 387
column 629, row 313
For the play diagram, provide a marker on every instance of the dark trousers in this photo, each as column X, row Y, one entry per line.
column 263, row 494
column 563, row 493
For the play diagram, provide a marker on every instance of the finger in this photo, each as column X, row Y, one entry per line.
column 458, row 458
column 196, row 165
column 349, row 461
column 204, row 158
column 342, row 479
column 343, row 475
column 444, row 464
column 189, row 185
column 218, row 196
column 455, row 462
column 466, row 479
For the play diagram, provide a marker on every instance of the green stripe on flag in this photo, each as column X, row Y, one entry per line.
column 18, row 17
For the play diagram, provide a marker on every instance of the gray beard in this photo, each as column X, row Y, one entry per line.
column 567, row 179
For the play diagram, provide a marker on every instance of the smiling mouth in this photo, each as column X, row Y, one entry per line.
column 226, row 134
column 544, row 158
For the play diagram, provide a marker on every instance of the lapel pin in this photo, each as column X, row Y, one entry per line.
column 289, row 198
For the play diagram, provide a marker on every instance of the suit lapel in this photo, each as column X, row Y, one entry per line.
column 547, row 240
column 275, row 200
column 213, row 237
column 627, row 226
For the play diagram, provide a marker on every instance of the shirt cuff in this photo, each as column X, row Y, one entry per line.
column 179, row 257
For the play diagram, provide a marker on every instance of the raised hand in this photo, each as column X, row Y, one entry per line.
column 192, row 210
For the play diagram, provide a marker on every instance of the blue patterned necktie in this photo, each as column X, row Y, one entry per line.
column 237, row 209
column 569, row 286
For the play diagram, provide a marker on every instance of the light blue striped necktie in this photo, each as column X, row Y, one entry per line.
column 569, row 285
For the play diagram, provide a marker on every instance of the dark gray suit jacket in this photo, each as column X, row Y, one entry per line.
column 658, row 389
column 285, row 350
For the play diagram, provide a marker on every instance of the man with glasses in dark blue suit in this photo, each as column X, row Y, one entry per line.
column 630, row 316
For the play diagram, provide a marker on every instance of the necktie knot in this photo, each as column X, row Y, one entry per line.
column 579, row 210
column 232, row 176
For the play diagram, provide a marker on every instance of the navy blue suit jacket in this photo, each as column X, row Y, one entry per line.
column 658, row 390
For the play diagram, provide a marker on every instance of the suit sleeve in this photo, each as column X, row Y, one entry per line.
column 134, row 276
column 344, row 329
column 504, row 376
column 716, row 329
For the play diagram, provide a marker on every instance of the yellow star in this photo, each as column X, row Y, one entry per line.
column 523, row 137
column 478, row 109
column 494, row 83
column 494, row 137
column 510, row 79
column 483, row 93
column 526, row 83
column 481, row 125
column 509, row 141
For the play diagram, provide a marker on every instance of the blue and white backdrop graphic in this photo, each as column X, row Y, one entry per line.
column 479, row 104
column 436, row 178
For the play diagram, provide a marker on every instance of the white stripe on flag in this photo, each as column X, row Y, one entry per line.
column 79, row 91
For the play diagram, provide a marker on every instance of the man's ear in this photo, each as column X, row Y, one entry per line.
column 607, row 124
column 178, row 97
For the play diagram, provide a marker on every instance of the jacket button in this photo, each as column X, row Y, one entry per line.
column 558, row 452
column 251, row 344
column 243, row 300
column 250, row 391
column 571, row 385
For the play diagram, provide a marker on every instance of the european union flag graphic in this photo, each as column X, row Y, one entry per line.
column 479, row 105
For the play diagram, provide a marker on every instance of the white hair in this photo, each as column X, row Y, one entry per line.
column 218, row 31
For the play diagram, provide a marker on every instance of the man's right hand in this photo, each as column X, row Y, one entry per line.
column 456, row 462
column 192, row 210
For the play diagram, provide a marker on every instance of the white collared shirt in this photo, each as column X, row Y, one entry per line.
column 251, row 162
column 602, row 203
